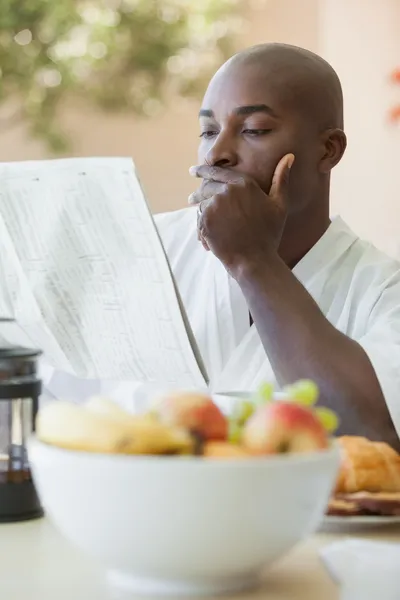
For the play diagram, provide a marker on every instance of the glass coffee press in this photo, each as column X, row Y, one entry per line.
column 20, row 389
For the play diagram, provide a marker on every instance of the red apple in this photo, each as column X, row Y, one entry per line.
column 283, row 427
column 195, row 412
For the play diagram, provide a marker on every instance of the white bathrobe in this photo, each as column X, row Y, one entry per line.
column 356, row 286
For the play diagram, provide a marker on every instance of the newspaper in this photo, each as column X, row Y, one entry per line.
column 84, row 274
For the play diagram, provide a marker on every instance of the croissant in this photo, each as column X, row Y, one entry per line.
column 367, row 467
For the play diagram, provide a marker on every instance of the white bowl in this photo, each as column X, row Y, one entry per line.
column 185, row 525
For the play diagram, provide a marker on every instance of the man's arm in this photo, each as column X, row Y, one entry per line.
column 301, row 343
column 243, row 227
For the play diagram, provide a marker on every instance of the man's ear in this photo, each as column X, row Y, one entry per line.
column 334, row 144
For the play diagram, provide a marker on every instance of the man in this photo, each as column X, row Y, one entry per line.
column 262, row 248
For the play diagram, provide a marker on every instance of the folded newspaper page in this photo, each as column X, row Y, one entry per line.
column 85, row 276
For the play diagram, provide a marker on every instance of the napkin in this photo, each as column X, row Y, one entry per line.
column 365, row 570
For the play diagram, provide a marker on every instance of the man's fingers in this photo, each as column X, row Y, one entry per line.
column 203, row 205
column 202, row 240
column 200, row 236
column 221, row 174
column 280, row 180
column 207, row 190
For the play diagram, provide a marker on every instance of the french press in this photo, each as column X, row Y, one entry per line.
column 20, row 389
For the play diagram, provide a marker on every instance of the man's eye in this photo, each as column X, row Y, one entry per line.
column 256, row 132
column 208, row 134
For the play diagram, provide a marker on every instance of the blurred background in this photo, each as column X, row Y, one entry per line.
column 125, row 77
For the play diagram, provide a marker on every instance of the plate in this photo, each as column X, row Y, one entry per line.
column 332, row 523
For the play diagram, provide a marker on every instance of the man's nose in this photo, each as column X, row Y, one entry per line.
column 223, row 152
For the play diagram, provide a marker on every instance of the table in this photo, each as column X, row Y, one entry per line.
column 36, row 563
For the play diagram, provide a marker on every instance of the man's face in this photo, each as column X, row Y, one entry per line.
column 249, row 121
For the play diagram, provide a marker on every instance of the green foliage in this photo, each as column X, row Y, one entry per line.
column 118, row 54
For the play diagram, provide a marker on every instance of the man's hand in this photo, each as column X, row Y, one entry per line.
column 237, row 221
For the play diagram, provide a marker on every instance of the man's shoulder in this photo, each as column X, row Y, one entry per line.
column 374, row 264
column 358, row 257
column 376, row 281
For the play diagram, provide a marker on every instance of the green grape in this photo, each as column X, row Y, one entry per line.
column 243, row 411
column 304, row 392
column 235, row 432
column 328, row 419
column 265, row 393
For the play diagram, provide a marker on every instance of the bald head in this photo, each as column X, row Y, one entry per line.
column 269, row 101
column 303, row 80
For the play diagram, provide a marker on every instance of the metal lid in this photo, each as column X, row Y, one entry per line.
column 9, row 351
column 17, row 352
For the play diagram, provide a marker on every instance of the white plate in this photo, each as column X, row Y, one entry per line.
column 332, row 523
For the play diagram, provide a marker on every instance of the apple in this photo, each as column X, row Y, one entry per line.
column 283, row 427
column 194, row 412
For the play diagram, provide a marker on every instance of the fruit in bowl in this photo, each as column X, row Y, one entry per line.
column 191, row 423
column 130, row 491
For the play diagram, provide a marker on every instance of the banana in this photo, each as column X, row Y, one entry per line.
column 105, row 407
column 148, row 436
column 70, row 426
